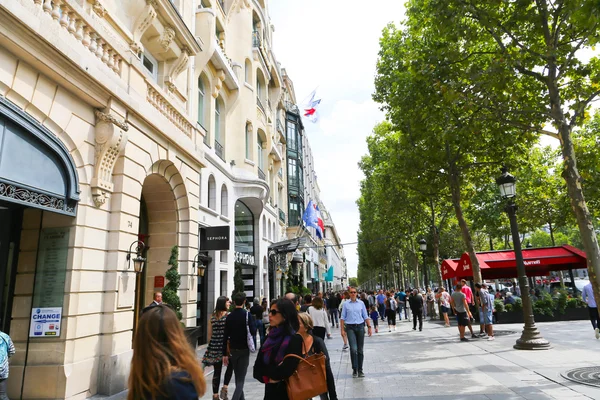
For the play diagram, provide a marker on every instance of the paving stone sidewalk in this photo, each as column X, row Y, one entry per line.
column 433, row 364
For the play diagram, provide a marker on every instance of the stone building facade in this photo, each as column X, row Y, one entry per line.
column 125, row 121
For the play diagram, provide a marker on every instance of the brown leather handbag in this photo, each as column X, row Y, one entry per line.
column 309, row 379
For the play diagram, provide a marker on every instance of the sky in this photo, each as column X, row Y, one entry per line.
column 332, row 45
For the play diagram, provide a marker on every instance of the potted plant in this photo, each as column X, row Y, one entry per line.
column 171, row 295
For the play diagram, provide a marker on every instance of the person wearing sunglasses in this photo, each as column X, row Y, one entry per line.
column 270, row 367
column 353, row 320
column 163, row 366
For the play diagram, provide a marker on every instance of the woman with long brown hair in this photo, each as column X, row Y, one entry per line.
column 214, row 351
column 163, row 367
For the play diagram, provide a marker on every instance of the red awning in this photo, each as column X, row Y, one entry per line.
column 538, row 262
column 448, row 268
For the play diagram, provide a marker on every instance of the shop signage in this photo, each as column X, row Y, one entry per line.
column 214, row 238
column 533, row 262
column 159, row 281
column 51, row 269
column 45, row 322
column 244, row 258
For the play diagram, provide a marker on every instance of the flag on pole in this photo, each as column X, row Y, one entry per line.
column 310, row 107
column 312, row 218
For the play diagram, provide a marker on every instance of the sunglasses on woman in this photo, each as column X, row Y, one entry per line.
column 274, row 312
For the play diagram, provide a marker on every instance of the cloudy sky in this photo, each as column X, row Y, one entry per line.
column 333, row 45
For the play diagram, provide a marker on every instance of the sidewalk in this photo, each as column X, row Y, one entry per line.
column 433, row 364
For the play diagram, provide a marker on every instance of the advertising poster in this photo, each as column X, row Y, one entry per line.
column 45, row 322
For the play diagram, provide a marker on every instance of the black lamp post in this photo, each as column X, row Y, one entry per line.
column 138, row 267
column 397, row 264
column 423, row 248
column 531, row 338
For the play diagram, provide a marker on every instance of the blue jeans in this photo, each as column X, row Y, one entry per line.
column 260, row 329
column 381, row 309
column 333, row 314
column 356, row 340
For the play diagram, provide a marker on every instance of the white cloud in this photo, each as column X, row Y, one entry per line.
column 333, row 44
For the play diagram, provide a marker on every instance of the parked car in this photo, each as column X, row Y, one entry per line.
column 579, row 284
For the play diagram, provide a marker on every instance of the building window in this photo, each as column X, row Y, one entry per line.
column 293, row 172
column 201, row 102
column 270, row 235
column 264, row 229
column 244, row 229
column 291, row 136
column 248, row 71
column 212, row 193
column 259, row 149
column 218, row 120
column 224, row 201
column 248, row 142
column 150, row 64
column 294, row 214
column 223, row 256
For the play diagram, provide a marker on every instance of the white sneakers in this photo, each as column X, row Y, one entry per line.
column 597, row 333
column 490, row 338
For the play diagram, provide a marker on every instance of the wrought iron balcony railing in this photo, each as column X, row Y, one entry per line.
column 219, row 151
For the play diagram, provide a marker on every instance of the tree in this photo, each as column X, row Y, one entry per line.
column 540, row 44
column 171, row 290
column 353, row 282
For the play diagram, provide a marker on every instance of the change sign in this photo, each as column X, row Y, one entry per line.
column 45, row 322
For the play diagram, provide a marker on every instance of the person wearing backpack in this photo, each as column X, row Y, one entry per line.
column 7, row 349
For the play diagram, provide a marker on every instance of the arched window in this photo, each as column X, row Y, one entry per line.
column 274, row 234
column 244, row 229
column 224, row 201
column 248, row 71
column 259, row 150
column 212, row 193
column 264, row 232
column 248, row 141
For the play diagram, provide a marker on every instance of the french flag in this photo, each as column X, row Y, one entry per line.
column 310, row 107
column 312, row 218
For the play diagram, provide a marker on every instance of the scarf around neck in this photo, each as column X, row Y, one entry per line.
column 276, row 344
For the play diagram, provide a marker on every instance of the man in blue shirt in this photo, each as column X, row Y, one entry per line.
column 588, row 297
column 381, row 304
column 353, row 319
column 401, row 299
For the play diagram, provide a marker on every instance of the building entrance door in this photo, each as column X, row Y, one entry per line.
column 10, row 233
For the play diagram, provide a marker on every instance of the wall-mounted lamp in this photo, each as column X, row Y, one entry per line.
column 201, row 266
column 138, row 260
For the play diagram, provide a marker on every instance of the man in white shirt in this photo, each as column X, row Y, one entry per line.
column 588, row 296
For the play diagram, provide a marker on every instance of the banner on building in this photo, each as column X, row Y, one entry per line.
column 329, row 274
column 214, row 238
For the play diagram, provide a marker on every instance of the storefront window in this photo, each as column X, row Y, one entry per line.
column 244, row 229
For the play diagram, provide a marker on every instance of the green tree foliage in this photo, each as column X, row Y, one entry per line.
column 353, row 282
column 171, row 290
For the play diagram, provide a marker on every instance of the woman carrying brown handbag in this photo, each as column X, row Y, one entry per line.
column 270, row 367
column 316, row 345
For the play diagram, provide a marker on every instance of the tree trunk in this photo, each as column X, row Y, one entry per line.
column 491, row 243
column 573, row 179
column 462, row 223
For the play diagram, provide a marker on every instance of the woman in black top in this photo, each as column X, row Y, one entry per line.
column 270, row 367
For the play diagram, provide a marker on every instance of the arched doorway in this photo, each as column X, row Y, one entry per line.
column 158, row 229
column 245, row 245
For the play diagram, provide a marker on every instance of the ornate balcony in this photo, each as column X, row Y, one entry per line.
column 219, row 151
column 282, row 215
column 261, row 174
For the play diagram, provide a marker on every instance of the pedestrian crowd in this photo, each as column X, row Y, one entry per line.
column 290, row 336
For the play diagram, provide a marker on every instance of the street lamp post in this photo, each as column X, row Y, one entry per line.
column 423, row 248
column 138, row 267
column 397, row 264
column 531, row 338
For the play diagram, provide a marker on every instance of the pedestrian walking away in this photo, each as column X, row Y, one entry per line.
column 319, row 317
column 315, row 345
column 334, row 303
column 214, row 352
column 444, row 298
column 353, row 319
column 588, row 297
column 270, row 367
column 235, row 343
column 470, row 301
column 374, row 318
column 458, row 301
column 257, row 312
column 430, row 298
column 7, row 350
column 416, row 306
column 164, row 366
column 487, row 306
column 402, row 306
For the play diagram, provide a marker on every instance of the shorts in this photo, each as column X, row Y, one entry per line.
column 480, row 316
column 488, row 317
column 462, row 319
column 444, row 309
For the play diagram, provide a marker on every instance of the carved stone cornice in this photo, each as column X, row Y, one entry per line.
column 110, row 138
column 144, row 20
column 99, row 8
column 166, row 38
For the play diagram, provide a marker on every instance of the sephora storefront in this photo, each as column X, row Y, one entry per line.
column 245, row 265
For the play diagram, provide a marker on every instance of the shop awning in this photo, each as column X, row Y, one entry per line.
column 538, row 262
column 448, row 268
